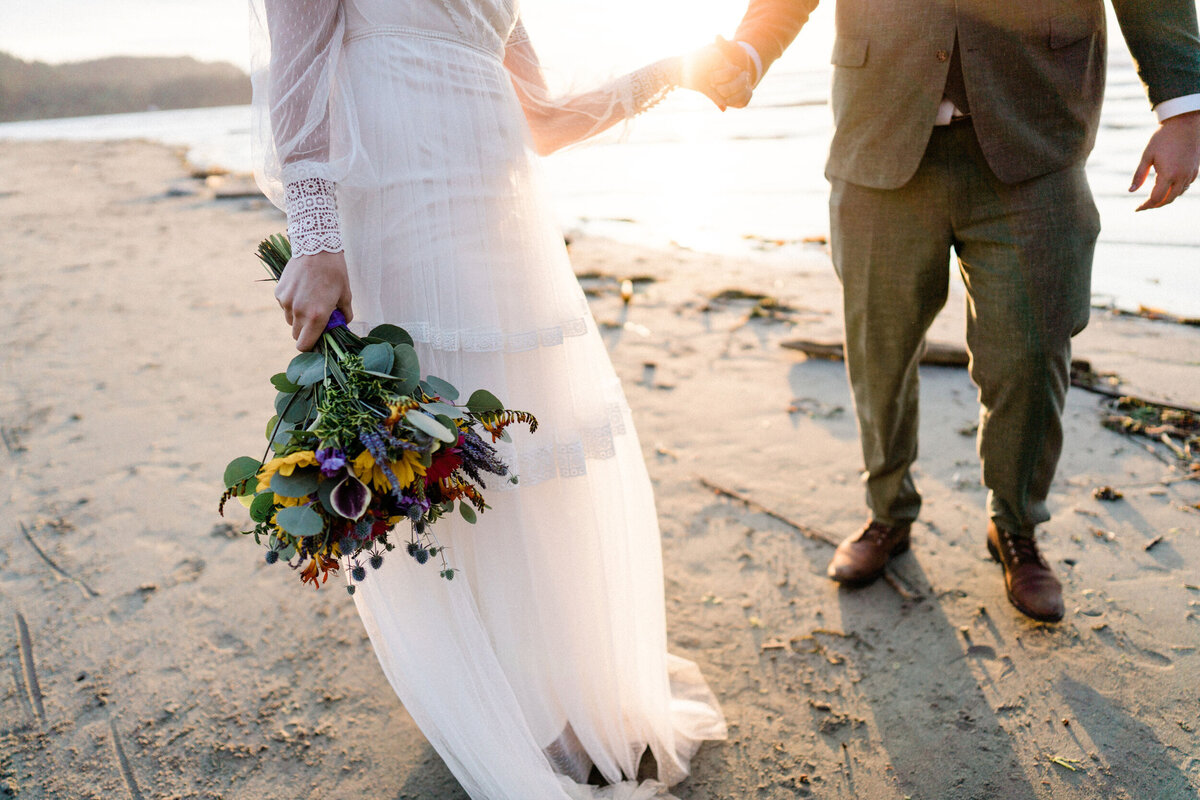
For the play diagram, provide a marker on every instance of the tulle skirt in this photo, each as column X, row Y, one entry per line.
column 547, row 653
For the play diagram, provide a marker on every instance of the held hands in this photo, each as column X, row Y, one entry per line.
column 722, row 71
column 1174, row 153
column 310, row 288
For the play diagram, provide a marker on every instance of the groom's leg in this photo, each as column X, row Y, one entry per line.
column 1026, row 256
column 891, row 250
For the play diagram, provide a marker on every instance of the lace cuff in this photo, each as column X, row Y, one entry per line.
column 650, row 84
column 313, row 225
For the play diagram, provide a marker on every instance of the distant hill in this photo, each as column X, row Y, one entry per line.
column 34, row 90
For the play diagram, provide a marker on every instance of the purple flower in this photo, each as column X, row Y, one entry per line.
column 350, row 498
column 331, row 460
column 336, row 320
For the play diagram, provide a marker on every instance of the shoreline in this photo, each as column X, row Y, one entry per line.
column 647, row 191
column 169, row 659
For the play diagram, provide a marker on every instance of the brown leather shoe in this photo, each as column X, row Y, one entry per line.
column 861, row 558
column 1032, row 588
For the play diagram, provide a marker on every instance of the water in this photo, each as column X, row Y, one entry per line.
column 728, row 183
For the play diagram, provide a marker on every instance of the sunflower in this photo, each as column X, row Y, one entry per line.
column 285, row 465
column 406, row 469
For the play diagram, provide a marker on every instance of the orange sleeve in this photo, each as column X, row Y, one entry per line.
column 770, row 26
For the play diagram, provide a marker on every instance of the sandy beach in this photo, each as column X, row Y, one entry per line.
column 149, row 652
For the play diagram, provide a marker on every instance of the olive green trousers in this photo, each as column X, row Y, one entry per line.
column 1025, row 253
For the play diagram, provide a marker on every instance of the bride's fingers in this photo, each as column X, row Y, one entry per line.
column 309, row 334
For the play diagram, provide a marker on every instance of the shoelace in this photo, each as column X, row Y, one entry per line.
column 877, row 533
column 1023, row 549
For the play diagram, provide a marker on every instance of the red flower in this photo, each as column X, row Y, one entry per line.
column 444, row 463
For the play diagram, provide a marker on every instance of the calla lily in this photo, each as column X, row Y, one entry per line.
column 350, row 497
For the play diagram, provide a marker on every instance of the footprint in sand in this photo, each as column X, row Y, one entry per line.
column 188, row 570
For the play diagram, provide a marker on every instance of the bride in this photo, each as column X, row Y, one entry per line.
column 398, row 137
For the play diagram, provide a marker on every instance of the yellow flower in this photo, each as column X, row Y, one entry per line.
column 285, row 465
column 408, row 467
column 406, row 470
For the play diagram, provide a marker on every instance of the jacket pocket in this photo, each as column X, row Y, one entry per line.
column 849, row 52
column 1067, row 29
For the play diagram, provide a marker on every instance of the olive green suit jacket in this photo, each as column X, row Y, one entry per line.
column 1034, row 73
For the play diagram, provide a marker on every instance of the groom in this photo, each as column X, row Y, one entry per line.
column 965, row 126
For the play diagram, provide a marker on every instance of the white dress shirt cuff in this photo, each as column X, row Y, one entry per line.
column 758, row 68
column 1176, row 106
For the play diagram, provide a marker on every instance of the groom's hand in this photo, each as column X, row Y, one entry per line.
column 1174, row 153
column 700, row 67
column 735, row 80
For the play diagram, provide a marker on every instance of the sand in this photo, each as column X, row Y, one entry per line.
column 151, row 653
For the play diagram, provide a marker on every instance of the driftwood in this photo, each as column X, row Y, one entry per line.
column 940, row 354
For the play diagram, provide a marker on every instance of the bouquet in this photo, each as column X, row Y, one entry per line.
column 361, row 442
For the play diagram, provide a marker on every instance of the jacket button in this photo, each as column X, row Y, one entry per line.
column 942, row 55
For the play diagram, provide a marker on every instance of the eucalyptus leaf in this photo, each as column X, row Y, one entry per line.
column 301, row 483
column 427, row 424
column 468, row 513
column 282, row 435
column 391, row 333
column 300, row 412
column 450, row 426
column 378, row 357
column 294, row 407
column 314, row 373
column 260, row 509
column 436, row 386
column 300, row 521
column 287, row 553
column 443, row 409
column 240, row 469
column 280, row 381
column 406, row 367
column 301, row 364
column 271, row 423
column 482, row 401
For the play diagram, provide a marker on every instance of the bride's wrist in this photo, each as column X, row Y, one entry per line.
column 653, row 82
column 313, row 224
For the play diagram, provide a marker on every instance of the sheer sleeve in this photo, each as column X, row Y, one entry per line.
column 558, row 120
column 303, row 144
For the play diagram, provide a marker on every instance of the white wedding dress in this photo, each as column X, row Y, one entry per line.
column 547, row 653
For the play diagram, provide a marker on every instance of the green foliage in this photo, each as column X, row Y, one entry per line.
column 427, row 424
column 280, row 381
column 301, row 483
column 300, row 521
column 482, row 402
column 435, row 386
column 240, row 469
column 306, row 369
column 391, row 334
column 377, row 357
column 260, row 509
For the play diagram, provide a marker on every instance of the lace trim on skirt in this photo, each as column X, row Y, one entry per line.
column 493, row 341
column 567, row 455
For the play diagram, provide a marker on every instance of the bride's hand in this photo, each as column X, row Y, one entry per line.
column 309, row 290
column 721, row 71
